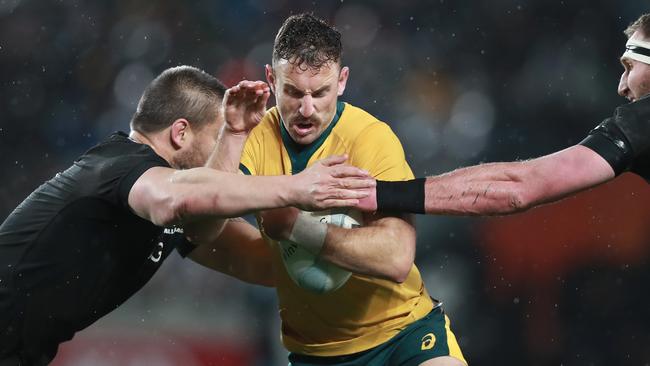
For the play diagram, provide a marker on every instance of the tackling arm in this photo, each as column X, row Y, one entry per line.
column 615, row 145
column 240, row 252
column 167, row 197
column 502, row 188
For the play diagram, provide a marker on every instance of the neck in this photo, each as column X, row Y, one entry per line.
column 155, row 141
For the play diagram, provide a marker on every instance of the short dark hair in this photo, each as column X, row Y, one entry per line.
column 178, row 92
column 642, row 24
column 307, row 40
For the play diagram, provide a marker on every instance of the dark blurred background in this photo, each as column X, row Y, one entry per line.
column 461, row 82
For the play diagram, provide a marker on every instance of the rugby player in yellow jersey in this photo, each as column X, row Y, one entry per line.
column 383, row 315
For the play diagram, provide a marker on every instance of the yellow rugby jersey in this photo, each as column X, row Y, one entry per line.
column 365, row 311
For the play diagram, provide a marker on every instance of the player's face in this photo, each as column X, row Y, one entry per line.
column 635, row 80
column 199, row 145
column 306, row 98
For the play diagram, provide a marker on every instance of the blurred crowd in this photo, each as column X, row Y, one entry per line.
column 460, row 82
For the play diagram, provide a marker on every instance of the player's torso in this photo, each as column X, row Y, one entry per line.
column 70, row 254
column 365, row 311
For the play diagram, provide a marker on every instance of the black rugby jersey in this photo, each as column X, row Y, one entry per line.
column 73, row 250
column 641, row 166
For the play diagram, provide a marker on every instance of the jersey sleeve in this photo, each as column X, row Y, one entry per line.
column 641, row 166
column 131, row 176
column 379, row 151
column 176, row 237
column 114, row 166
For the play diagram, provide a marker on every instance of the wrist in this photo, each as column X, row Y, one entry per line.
column 402, row 196
column 286, row 191
column 229, row 131
column 309, row 232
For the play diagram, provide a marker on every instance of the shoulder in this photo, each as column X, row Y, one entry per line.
column 118, row 154
column 357, row 119
column 363, row 128
column 118, row 146
column 114, row 165
column 269, row 125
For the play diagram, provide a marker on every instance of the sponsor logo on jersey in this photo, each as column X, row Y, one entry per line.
column 173, row 230
column 428, row 341
column 156, row 254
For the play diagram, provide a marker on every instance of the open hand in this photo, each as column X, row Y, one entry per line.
column 330, row 183
column 244, row 105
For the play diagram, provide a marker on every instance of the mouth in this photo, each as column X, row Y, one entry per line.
column 303, row 128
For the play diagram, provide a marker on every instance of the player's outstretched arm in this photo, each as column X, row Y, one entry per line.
column 240, row 252
column 383, row 247
column 166, row 196
column 494, row 188
column 501, row 188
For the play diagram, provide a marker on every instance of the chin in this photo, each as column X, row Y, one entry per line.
column 305, row 140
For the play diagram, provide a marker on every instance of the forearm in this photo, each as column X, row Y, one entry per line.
column 503, row 188
column 225, row 157
column 385, row 249
column 239, row 252
column 228, row 150
column 495, row 188
column 206, row 192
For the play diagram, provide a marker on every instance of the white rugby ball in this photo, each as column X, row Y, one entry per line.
column 311, row 272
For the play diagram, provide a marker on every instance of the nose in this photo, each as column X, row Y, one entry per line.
column 307, row 106
column 623, row 89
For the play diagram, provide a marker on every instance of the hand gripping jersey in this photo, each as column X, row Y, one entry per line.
column 366, row 311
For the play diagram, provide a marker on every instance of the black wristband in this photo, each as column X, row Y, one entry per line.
column 608, row 141
column 406, row 196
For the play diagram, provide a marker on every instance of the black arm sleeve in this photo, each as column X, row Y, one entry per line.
column 406, row 196
column 608, row 141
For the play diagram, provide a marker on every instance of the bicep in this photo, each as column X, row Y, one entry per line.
column 150, row 196
column 570, row 171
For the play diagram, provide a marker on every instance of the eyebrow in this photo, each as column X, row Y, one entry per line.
column 293, row 88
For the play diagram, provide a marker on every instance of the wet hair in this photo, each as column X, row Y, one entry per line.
column 307, row 41
column 178, row 92
column 642, row 24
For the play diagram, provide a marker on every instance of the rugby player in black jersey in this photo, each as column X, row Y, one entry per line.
column 86, row 240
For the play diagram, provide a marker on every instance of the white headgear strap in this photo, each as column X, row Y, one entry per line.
column 637, row 50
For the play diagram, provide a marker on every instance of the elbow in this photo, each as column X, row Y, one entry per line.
column 401, row 273
column 402, row 263
column 173, row 211
column 525, row 197
column 400, row 270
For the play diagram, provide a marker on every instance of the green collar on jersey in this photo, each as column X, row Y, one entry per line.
column 300, row 154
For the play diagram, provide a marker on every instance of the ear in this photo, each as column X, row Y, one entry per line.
column 343, row 80
column 179, row 133
column 270, row 78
